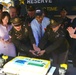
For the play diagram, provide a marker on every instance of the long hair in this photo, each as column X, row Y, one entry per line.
column 3, row 15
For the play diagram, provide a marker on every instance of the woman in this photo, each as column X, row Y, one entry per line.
column 6, row 46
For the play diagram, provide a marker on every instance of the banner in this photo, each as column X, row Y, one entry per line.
column 53, row 7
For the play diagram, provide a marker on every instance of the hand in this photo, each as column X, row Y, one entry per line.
column 41, row 52
column 70, row 30
column 36, row 48
column 2, row 40
column 8, row 41
column 33, row 52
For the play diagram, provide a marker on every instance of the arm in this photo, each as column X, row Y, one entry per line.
column 73, row 36
column 44, row 40
column 71, row 32
column 33, row 40
column 55, row 45
column 35, row 33
column 17, row 43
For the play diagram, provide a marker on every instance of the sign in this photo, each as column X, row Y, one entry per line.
column 53, row 7
column 38, row 1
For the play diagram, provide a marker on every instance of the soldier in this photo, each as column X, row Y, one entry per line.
column 22, row 37
column 66, row 22
column 54, row 42
column 30, row 14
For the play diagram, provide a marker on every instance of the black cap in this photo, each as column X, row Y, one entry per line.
column 16, row 21
column 30, row 8
column 55, row 21
column 1, row 6
column 39, row 12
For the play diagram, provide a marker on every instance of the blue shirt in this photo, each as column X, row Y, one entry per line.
column 36, row 28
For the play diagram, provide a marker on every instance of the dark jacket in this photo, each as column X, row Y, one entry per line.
column 66, row 22
column 22, row 39
column 54, row 41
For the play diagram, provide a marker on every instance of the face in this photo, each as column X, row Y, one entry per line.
column 63, row 13
column 56, row 28
column 5, row 20
column 31, row 13
column 39, row 18
column 13, row 12
column 18, row 28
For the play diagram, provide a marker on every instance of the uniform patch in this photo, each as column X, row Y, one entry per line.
column 26, row 30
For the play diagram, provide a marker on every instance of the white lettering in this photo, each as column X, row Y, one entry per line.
column 35, row 1
column 31, row 1
column 46, row 1
column 50, row 1
column 39, row 1
column 28, row 2
column 42, row 1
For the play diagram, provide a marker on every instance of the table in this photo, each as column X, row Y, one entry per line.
column 71, row 70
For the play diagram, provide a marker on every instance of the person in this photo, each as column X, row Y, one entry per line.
column 39, row 24
column 6, row 46
column 22, row 37
column 66, row 20
column 13, row 12
column 72, row 33
column 30, row 14
column 1, row 9
column 54, row 42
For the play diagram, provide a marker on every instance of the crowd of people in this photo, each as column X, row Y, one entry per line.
column 36, row 35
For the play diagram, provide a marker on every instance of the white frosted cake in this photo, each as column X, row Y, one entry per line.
column 27, row 66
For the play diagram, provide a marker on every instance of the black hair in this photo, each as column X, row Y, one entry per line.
column 5, row 13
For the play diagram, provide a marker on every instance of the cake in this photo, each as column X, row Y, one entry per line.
column 21, row 65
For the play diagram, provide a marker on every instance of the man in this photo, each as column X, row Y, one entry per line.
column 66, row 20
column 30, row 14
column 13, row 12
column 72, row 33
column 54, row 42
column 39, row 25
column 22, row 37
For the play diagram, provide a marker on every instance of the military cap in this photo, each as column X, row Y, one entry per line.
column 1, row 6
column 55, row 21
column 16, row 21
column 30, row 8
column 39, row 12
column 63, row 9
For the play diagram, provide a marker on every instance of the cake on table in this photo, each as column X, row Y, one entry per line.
column 21, row 65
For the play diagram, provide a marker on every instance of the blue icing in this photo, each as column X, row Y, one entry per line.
column 20, row 61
